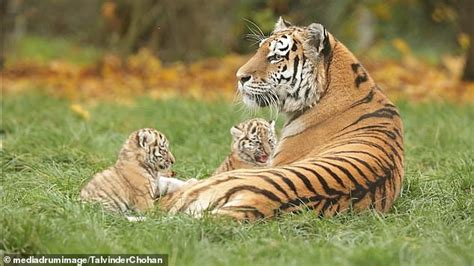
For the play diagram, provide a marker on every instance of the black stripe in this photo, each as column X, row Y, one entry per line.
column 288, row 182
column 326, row 51
column 245, row 208
column 295, row 70
column 367, row 99
column 330, row 172
column 116, row 200
column 361, row 74
column 296, row 115
column 283, row 78
column 196, row 191
column 283, row 48
column 372, row 133
column 352, row 164
column 267, row 193
column 381, row 113
column 369, row 134
column 364, row 163
column 326, row 205
column 346, row 172
column 377, row 159
column 294, row 47
column 341, row 133
column 328, row 61
column 397, row 131
column 383, row 192
column 327, row 189
column 274, row 184
column 386, row 132
column 301, row 201
column 366, row 143
column 301, row 80
column 303, row 178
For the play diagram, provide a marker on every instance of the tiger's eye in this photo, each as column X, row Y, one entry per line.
column 274, row 57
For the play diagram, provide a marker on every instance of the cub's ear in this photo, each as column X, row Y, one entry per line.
column 144, row 137
column 236, row 132
column 281, row 24
column 317, row 36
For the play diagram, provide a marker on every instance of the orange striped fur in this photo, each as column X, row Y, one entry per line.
column 341, row 147
column 132, row 183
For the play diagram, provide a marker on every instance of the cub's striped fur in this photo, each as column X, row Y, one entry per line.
column 340, row 149
column 134, row 182
column 253, row 142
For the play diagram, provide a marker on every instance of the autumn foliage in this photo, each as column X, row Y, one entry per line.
column 143, row 74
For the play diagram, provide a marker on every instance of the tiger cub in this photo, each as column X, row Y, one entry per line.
column 140, row 175
column 253, row 142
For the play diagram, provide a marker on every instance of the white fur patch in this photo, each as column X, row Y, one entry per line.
column 280, row 46
column 134, row 219
column 168, row 184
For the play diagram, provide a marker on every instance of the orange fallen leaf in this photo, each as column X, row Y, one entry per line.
column 80, row 111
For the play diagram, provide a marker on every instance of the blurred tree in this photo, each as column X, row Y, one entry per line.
column 13, row 24
column 466, row 11
column 365, row 28
column 131, row 22
column 192, row 29
column 172, row 28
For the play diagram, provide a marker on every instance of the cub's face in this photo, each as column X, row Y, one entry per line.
column 151, row 149
column 254, row 140
column 282, row 73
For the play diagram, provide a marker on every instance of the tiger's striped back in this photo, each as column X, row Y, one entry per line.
column 341, row 147
column 253, row 142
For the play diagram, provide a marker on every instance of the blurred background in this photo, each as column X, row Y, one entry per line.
column 415, row 49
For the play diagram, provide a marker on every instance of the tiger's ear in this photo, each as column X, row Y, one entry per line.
column 281, row 24
column 317, row 36
column 236, row 132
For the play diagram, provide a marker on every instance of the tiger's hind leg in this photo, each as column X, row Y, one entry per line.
column 239, row 213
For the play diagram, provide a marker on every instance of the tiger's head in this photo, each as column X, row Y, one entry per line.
column 288, row 70
column 150, row 148
column 254, row 140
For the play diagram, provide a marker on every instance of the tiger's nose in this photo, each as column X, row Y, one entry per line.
column 244, row 78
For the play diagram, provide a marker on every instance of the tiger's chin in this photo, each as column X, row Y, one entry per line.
column 253, row 101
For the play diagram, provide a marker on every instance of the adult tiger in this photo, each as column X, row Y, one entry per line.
column 341, row 147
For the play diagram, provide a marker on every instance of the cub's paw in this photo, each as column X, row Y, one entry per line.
column 135, row 218
column 169, row 184
column 192, row 181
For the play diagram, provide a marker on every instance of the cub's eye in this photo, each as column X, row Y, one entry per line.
column 250, row 145
column 274, row 57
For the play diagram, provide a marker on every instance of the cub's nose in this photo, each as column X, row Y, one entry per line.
column 171, row 159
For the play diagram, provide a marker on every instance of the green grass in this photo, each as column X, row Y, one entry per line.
column 48, row 153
